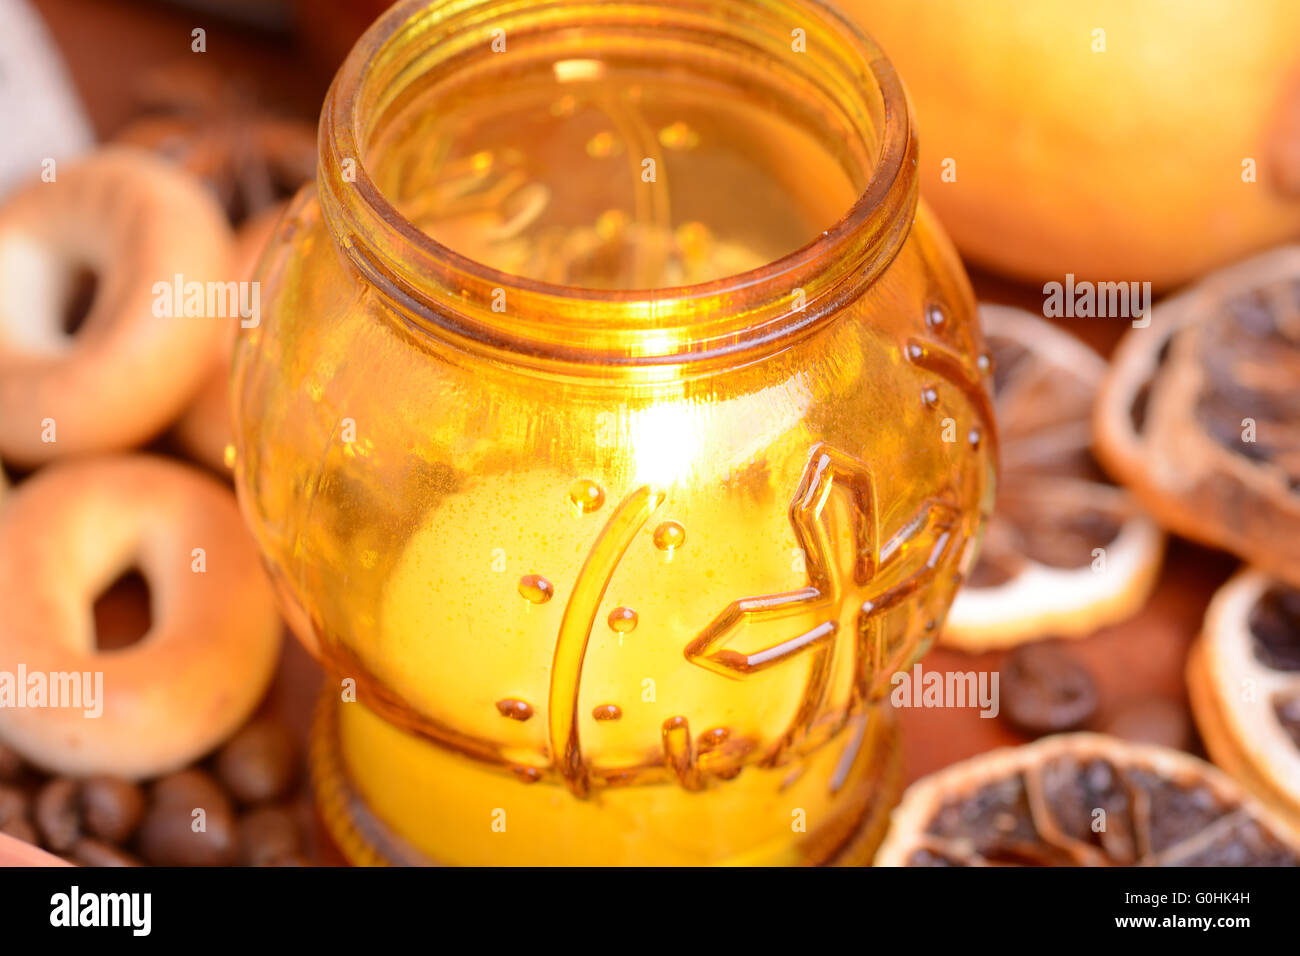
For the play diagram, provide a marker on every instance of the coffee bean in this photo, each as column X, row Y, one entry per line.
column 171, row 834
column 91, row 852
column 111, row 808
column 268, row 835
column 13, row 803
column 257, row 764
column 11, row 764
column 20, row 829
column 57, row 813
column 1044, row 690
column 1153, row 720
column 13, row 816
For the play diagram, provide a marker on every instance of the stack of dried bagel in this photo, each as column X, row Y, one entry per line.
column 112, row 375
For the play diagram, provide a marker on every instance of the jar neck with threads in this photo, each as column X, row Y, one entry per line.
column 802, row 52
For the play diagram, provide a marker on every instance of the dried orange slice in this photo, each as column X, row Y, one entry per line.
column 1065, row 552
column 1244, row 682
column 1084, row 800
column 1200, row 413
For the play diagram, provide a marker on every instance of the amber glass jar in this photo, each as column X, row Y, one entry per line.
column 615, row 427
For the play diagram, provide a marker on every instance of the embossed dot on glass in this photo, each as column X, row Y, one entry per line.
column 631, row 311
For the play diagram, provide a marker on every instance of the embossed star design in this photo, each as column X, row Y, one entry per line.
column 849, row 603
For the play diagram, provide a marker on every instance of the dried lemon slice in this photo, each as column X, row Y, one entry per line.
column 1084, row 800
column 1065, row 552
column 1200, row 414
column 1244, row 682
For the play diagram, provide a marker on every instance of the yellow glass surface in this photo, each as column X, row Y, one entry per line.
column 614, row 428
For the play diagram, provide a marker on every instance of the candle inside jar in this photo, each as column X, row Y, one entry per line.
column 597, row 609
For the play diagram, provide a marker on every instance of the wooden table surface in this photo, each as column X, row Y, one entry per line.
column 109, row 44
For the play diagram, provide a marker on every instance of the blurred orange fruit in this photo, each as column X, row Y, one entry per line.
column 1110, row 139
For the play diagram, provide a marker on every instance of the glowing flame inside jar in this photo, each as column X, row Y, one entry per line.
column 665, row 442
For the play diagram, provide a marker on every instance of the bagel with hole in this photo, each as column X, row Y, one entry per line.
column 104, row 237
column 156, row 705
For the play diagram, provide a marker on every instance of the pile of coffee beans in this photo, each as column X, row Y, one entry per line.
column 236, row 808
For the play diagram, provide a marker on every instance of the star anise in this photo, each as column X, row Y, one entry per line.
column 219, row 129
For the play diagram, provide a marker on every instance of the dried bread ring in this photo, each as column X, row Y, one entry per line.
column 65, row 535
column 133, row 221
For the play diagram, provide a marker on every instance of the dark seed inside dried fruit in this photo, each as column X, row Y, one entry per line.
column 1172, row 809
column 1242, row 843
column 1088, row 802
column 1067, row 541
column 1250, row 362
column 1275, row 627
column 996, row 823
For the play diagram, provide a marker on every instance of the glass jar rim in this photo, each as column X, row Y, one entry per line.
column 438, row 290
